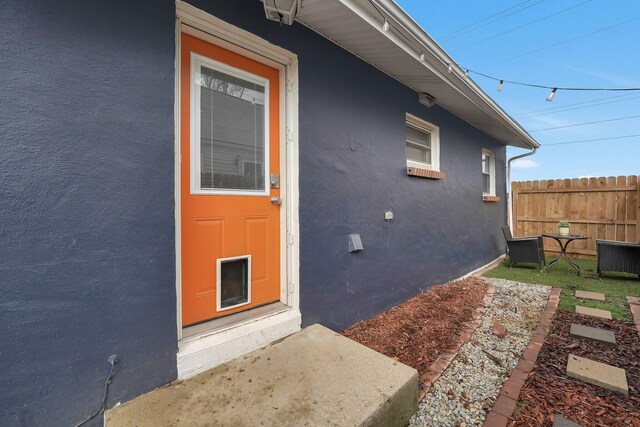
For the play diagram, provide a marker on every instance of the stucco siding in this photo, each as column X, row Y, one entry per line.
column 86, row 205
column 87, row 261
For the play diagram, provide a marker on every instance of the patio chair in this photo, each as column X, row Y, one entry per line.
column 620, row 257
column 524, row 249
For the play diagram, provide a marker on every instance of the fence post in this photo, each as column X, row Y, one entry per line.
column 638, row 212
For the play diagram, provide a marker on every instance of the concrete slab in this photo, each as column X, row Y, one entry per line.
column 593, row 334
column 315, row 377
column 597, row 296
column 597, row 373
column 559, row 421
column 596, row 312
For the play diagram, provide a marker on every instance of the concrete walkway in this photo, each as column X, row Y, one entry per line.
column 312, row 378
column 600, row 374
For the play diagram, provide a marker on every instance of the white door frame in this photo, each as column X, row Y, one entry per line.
column 207, row 350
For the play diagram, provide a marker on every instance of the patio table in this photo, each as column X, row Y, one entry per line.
column 563, row 247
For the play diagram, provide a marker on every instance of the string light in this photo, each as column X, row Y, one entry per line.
column 553, row 89
column 386, row 26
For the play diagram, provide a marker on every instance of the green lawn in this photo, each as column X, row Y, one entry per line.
column 615, row 286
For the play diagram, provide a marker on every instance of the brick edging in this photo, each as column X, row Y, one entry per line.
column 634, row 307
column 444, row 360
column 504, row 407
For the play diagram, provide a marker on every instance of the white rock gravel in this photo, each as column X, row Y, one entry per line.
column 466, row 391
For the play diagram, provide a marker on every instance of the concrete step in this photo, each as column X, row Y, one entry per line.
column 595, row 312
column 597, row 296
column 314, row 377
column 597, row 373
column 593, row 334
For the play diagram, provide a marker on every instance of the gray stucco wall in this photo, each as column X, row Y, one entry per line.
column 87, row 209
column 86, row 205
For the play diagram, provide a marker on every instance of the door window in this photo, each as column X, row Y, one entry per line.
column 230, row 128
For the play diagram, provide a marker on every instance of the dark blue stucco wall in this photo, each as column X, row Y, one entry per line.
column 353, row 168
column 87, row 263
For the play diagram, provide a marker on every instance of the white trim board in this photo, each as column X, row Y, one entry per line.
column 473, row 272
column 198, row 354
column 204, row 351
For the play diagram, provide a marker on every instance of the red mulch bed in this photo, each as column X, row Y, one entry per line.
column 417, row 331
column 549, row 391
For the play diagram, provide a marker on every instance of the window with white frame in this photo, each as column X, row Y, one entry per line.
column 423, row 144
column 488, row 173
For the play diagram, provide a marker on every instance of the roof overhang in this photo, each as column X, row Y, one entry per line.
column 357, row 26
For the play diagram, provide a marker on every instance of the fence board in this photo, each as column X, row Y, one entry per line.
column 600, row 208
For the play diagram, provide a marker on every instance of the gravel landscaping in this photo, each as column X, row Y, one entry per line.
column 466, row 391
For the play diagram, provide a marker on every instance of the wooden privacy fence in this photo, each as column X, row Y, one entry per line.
column 600, row 208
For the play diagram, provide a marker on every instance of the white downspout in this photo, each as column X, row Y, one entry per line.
column 509, row 198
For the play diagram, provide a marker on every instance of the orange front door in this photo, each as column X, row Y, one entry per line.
column 229, row 146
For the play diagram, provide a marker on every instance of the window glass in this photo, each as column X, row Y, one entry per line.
column 418, row 136
column 232, row 134
column 486, row 183
column 487, row 171
column 418, row 145
column 485, row 163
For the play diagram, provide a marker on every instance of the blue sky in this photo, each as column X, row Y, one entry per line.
column 608, row 58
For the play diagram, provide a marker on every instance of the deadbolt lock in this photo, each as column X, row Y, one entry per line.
column 275, row 180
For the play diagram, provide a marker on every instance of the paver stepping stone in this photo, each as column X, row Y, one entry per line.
column 559, row 421
column 596, row 312
column 593, row 334
column 597, row 373
column 598, row 296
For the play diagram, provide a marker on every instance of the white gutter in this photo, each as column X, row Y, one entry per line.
column 432, row 48
column 509, row 198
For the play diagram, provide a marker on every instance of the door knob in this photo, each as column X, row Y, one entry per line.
column 276, row 200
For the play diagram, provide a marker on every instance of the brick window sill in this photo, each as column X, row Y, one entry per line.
column 490, row 199
column 425, row 173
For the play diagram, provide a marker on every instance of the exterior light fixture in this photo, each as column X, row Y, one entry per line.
column 426, row 99
column 283, row 11
column 500, row 85
column 552, row 94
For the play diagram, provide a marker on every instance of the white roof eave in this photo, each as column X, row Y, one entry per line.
column 453, row 90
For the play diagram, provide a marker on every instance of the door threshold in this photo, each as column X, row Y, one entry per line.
column 219, row 324
column 218, row 341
